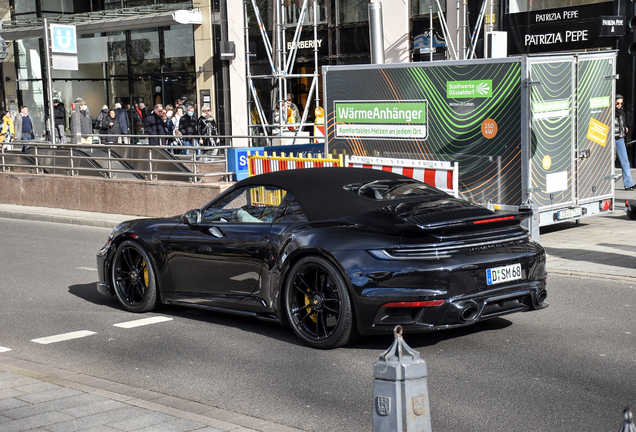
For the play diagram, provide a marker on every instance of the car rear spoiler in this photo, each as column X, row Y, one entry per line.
column 499, row 218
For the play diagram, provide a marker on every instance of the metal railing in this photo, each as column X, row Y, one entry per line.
column 111, row 160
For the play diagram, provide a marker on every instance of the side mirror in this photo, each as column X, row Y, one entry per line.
column 192, row 217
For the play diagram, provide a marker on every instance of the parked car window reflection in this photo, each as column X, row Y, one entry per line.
column 249, row 204
column 290, row 210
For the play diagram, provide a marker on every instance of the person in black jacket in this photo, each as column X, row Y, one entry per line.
column 620, row 131
column 188, row 126
column 206, row 127
column 155, row 126
column 111, row 127
column 59, row 112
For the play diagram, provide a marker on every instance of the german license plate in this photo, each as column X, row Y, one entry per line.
column 569, row 213
column 503, row 274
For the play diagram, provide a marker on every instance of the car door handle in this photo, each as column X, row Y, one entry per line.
column 216, row 232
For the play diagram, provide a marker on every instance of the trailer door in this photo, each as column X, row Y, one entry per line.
column 552, row 133
column 595, row 143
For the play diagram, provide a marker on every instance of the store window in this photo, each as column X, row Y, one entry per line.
column 117, row 54
column 423, row 7
column 516, row 6
column 24, row 6
column 353, row 11
column 293, row 9
column 144, row 51
column 30, row 89
column 178, row 48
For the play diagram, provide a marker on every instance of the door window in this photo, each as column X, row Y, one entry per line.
column 249, row 204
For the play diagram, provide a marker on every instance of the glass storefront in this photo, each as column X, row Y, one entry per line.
column 151, row 65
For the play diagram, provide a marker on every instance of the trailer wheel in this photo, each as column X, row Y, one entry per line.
column 631, row 212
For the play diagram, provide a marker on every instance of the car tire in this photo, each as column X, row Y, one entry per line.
column 134, row 278
column 318, row 304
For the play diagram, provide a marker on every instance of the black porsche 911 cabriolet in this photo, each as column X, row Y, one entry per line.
column 331, row 252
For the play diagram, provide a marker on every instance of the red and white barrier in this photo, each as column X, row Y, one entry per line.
column 265, row 164
column 440, row 174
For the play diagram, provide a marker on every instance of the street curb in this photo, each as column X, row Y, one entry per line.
column 96, row 220
column 592, row 275
column 149, row 400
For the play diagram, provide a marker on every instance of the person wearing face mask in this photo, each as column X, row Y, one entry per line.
column 100, row 123
column 124, row 126
column 111, row 126
column 207, row 127
column 86, row 123
column 188, row 126
column 175, row 120
column 168, row 113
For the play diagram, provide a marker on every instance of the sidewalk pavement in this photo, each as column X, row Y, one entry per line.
column 36, row 397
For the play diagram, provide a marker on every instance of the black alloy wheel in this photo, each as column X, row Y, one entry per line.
column 318, row 305
column 134, row 278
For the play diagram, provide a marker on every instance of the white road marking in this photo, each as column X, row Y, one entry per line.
column 143, row 322
column 63, row 337
column 4, row 349
column 87, row 268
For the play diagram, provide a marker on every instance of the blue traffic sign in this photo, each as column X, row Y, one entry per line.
column 63, row 38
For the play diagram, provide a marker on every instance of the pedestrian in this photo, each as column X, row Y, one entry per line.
column 111, row 127
column 167, row 115
column 155, row 125
column 294, row 116
column 23, row 127
column 124, row 127
column 188, row 126
column 277, row 119
column 59, row 112
column 100, row 124
column 138, row 118
column 206, row 127
column 175, row 120
column 8, row 131
column 620, row 131
column 85, row 121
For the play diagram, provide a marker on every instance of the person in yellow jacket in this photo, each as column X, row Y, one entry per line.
column 8, row 130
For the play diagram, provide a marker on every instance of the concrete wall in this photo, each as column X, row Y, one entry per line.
column 128, row 197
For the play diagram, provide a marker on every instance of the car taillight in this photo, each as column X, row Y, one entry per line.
column 413, row 304
column 503, row 218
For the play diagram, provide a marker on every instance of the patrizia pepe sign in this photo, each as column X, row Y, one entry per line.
column 561, row 29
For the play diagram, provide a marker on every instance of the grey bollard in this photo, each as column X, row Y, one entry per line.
column 628, row 423
column 400, row 393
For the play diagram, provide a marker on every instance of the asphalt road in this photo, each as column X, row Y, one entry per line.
column 569, row 367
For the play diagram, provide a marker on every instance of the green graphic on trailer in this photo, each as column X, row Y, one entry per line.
column 551, row 131
column 595, row 104
column 460, row 100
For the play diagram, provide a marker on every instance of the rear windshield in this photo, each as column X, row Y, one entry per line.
column 393, row 189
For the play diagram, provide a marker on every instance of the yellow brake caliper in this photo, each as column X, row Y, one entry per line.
column 145, row 273
column 307, row 302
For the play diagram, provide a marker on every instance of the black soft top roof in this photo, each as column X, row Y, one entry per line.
column 320, row 191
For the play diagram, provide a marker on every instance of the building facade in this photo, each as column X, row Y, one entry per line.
column 215, row 52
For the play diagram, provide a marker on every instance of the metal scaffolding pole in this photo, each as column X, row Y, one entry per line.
column 281, row 63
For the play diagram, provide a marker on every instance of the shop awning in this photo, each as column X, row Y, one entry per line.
column 105, row 21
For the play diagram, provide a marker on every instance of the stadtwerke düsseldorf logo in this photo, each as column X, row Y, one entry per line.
column 469, row 89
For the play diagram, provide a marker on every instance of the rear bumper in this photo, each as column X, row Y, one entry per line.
column 461, row 311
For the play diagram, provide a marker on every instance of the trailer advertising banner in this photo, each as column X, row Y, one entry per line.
column 466, row 112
